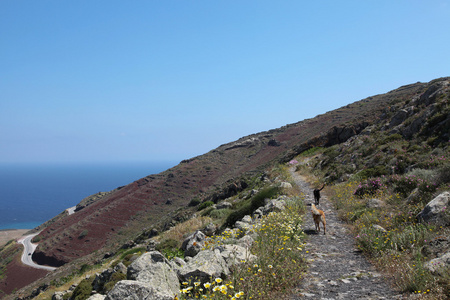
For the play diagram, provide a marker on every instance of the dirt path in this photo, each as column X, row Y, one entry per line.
column 337, row 270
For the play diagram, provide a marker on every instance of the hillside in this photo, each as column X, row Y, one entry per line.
column 416, row 114
column 146, row 200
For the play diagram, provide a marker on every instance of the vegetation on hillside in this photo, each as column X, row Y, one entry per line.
column 402, row 173
column 392, row 147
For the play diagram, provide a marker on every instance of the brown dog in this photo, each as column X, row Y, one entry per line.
column 318, row 216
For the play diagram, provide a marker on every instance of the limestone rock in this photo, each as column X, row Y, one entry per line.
column 96, row 297
column 243, row 226
column 205, row 265
column 136, row 290
column 58, row 296
column 374, row 203
column 154, row 269
column 235, row 254
column 438, row 265
column 437, row 211
column 275, row 205
column 247, row 219
column 194, row 243
column 379, row 228
column 224, row 205
column 286, row 185
column 209, row 229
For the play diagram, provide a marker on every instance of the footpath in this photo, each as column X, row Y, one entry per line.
column 336, row 268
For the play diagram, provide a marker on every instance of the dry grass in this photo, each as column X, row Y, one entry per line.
column 180, row 231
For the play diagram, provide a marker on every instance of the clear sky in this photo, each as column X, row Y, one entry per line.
column 105, row 80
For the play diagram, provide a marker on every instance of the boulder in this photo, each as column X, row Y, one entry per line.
column 247, row 219
column 246, row 241
column 194, row 243
column 374, row 203
column 58, row 295
column 209, row 229
column 399, row 117
column 224, row 205
column 378, row 228
column 286, row 185
column 437, row 211
column 96, row 297
column 275, row 205
column 154, row 269
column 257, row 214
column 235, row 254
column 137, row 290
column 205, row 265
column 439, row 265
column 243, row 226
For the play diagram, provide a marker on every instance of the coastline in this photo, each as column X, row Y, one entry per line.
column 11, row 234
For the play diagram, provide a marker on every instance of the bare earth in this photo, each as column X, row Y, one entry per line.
column 336, row 269
column 10, row 234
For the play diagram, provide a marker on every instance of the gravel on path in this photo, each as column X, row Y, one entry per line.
column 336, row 268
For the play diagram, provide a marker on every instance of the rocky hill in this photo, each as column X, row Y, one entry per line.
column 104, row 222
column 123, row 213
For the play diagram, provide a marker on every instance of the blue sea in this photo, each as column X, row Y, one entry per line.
column 31, row 194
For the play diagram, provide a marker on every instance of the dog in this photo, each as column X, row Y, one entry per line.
column 316, row 193
column 319, row 216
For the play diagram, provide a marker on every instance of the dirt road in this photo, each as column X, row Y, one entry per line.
column 337, row 270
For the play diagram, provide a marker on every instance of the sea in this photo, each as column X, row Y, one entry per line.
column 31, row 194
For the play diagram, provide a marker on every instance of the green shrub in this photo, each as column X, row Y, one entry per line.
column 311, row 151
column 373, row 172
column 205, row 205
column 194, row 202
column 391, row 138
column 207, row 211
column 219, row 213
column 170, row 248
column 248, row 207
column 83, row 290
column 115, row 277
column 132, row 251
column 36, row 239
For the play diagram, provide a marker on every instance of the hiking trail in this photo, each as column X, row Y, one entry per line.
column 336, row 268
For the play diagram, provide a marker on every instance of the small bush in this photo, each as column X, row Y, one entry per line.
column 368, row 188
column 205, row 205
column 83, row 290
column 249, row 207
column 36, row 239
column 219, row 213
column 115, row 277
column 170, row 248
column 132, row 251
column 373, row 172
column 194, row 202
column 391, row 138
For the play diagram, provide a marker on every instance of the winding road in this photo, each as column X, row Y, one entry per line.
column 28, row 249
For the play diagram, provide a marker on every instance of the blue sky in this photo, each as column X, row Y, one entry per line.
column 99, row 81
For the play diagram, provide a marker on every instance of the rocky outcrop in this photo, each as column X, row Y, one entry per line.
column 193, row 244
column 205, row 265
column 154, row 269
column 136, row 290
column 235, row 254
column 439, row 265
column 437, row 211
